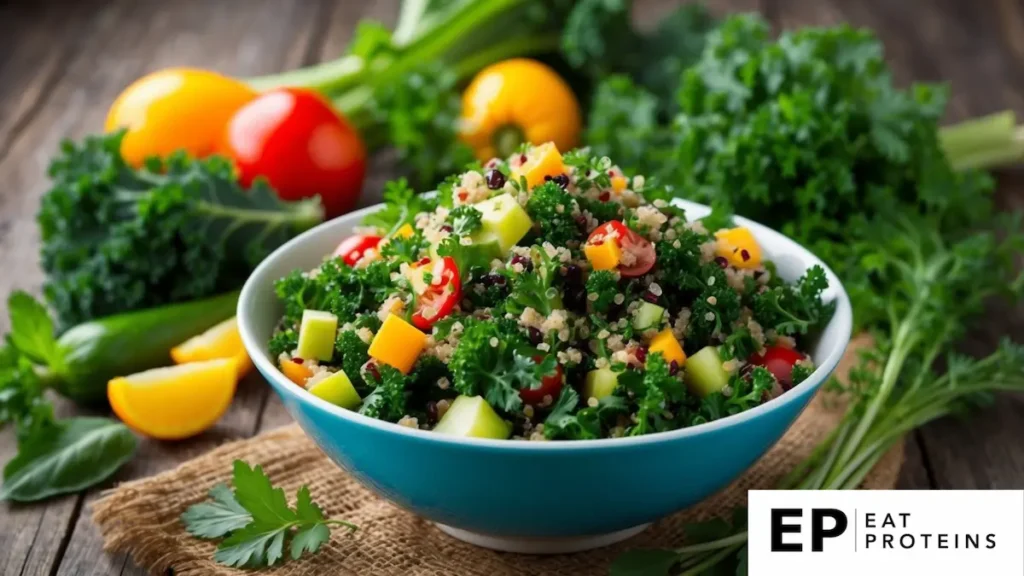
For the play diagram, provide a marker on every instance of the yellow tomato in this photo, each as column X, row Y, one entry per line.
column 175, row 109
column 518, row 101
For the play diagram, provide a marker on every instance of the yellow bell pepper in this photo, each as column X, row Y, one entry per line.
column 619, row 184
column 397, row 344
column 603, row 256
column 541, row 161
column 739, row 247
column 666, row 343
column 517, row 101
column 406, row 231
column 296, row 372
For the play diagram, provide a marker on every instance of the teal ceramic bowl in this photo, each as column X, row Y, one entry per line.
column 535, row 497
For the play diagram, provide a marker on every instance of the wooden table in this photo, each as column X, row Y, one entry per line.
column 64, row 62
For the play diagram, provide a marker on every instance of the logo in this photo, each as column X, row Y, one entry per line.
column 796, row 532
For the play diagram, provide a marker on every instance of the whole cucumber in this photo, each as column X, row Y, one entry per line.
column 93, row 353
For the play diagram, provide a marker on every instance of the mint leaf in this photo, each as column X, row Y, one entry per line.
column 218, row 518
column 644, row 563
column 31, row 327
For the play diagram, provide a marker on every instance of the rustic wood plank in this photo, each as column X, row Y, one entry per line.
column 975, row 47
column 915, row 474
column 120, row 41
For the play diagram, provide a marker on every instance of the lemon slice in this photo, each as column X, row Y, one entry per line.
column 221, row 341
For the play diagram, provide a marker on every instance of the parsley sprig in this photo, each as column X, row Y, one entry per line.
column 256, row 521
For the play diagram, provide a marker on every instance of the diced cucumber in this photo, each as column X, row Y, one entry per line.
column 648, row 316
column 316, row 335
column 704, row 372
column 473, row 417
column 504, row 221
column 599, row 383
column 337, row 389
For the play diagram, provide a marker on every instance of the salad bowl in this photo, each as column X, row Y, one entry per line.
column 536, row 497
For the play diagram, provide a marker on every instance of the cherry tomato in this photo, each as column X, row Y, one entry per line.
column 352, row 249
column 441, row 295
column 779, row 360
column 295, row 139
column 175, row 109
column 549, row 386
column 637, row 246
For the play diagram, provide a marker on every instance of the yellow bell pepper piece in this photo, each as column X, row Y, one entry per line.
column 541, row 161
column 397, row 344
column 406, row 231
column 296, row 372
column 739, row 247
column 603, row 256
column 619, row 183
column 666, row 343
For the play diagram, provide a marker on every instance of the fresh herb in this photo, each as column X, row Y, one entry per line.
column 387, row 401
column 536, row 289
column 601, row 288
column 552, row 208
column 340, row 289
column 401, row 205
column 489, row 361
column 565, row 422
column 465, row 220
column 404, row 248
column 256, row 521
column 116, row 238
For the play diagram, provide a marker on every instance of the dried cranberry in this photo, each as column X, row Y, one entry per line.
column 673, row 368
column 604, row 197
column 523, row 261
column 495, row 179
column 562, row 180
column 522, row 158
column 447, row 228
column 721, row 261
column 641, row 355
column 371, row 369
column 745, row 255
column 535, row 335
column 297, row 360
column 493, row 279
column 573, row 273
column 650, row 296
column 432, row 411
column 581, row 221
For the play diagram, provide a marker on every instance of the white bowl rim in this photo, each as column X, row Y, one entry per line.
column 843, row 315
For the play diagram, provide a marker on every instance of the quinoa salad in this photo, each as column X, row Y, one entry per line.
column 546, row 296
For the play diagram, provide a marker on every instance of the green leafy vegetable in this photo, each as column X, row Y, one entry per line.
column 257, row 521
column 387, row 401
column 116, row 238
column 401, row 205
column 552, row 209
column 70, row 456
column 465, row 220
column 489, row 362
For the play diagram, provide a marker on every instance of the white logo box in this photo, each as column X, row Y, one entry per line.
column 961, row 533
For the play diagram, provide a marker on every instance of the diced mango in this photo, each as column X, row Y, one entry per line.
column 338, row 390
column 541, row 161
column 603, row 256
column 397, row 344
column 316, row 335
column 296, row 372
column 504, row 221
column 619, row 184
column 739, row 247
column 666, row 343
column 406, row 231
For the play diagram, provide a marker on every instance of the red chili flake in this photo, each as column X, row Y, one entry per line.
column 745, row 255
column 641, row 354
column 522, row 158
column 604, row 197
column 297, row 360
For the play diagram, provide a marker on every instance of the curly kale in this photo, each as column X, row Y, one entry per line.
column 551, row 208
column 353, row 354
column 405, row 248
column 337, row 288
column 117, row 238
column 745, row 392
column 492, row 361
column 465, row 220
column 680, row 262
column 387, row 401
column 589, row 422
column 715, row 309
column 601, row 287
column 401, row 205
column 656, row 389
column 794, row 308
column 535, row 290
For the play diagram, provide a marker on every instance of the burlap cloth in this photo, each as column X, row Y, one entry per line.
column 141, row 517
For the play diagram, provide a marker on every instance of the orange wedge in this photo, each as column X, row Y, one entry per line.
column 221, row 341
column 176, row 402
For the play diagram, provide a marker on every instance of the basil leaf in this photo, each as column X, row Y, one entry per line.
column 31, row 327
column 81, row 452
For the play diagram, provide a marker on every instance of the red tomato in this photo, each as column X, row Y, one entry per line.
column 549, row 386
column 295, row 139
column 779, row 360
column 629, row 241
column 352, row 248
column 441, row 295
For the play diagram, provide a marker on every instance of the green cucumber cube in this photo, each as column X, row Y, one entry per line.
column 648, row 316
column 599, row 383
column 704, row 372
column 504, row 221
column 316, row 335
column 473, row 417
column 338, row 390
